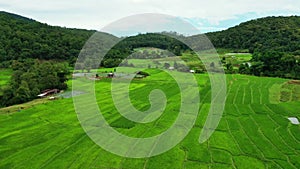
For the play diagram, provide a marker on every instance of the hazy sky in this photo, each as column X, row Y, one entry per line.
column 207, row 15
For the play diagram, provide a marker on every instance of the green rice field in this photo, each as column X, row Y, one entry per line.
column 254, row 131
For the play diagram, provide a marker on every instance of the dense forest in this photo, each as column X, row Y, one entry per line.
column 273, row 64
column 161, row 41
column 281, row 34
column 22, row 38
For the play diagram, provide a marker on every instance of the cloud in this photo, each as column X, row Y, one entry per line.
column 150, row 22
column 95, row 14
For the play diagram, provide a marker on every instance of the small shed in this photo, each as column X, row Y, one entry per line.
column 48, row 92
column 294, row 120
column 192, row 71
column 171, row 68
column 110, row 75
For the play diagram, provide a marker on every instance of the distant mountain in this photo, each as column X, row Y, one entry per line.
column 271, row 33
column 22, row 37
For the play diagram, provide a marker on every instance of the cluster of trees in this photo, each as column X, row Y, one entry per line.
column 150, row 54
column 126, row 64
column 178, row 66
column 273, row 64
column 274, row 42
column 181, row 67
column 30, row 77
column 156, row 40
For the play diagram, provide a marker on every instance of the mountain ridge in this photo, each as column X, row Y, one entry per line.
column 22, row 38
column 268, row 33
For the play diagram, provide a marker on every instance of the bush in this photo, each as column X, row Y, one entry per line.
column 143, row 73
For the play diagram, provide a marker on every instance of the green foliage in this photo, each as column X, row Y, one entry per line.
column 272, row 64
column 122, row 122
column 32, row 76
column 274, row 42
column 154, row 40
column 145, row 74
column 167, row 65
column 5, row 75
column 128, row 46
column 229, row 68
column 23, row 38
column 244, row 68
column 150, row 53
column 270, row 33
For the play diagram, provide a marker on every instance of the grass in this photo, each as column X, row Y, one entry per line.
column 236, row 59
column 19, row 107
column 253, row 133
column 5, row 75
column 240, row 57
column 284, row 92
column 153, row 63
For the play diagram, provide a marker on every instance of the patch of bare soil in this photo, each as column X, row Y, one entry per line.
column 296, row 82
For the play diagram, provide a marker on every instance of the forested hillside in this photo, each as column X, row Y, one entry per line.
column 273, row 41
column 22, row 38
column 271, row 33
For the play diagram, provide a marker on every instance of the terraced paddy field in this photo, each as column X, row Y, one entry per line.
column 254, row 131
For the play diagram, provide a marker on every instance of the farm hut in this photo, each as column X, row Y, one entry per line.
column 171, row 68
column 48, row 92
column 110, row 75
column 192, row 71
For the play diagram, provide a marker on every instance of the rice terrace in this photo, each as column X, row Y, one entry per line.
column 259, row 127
